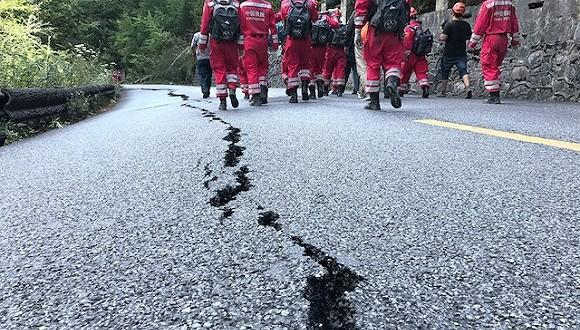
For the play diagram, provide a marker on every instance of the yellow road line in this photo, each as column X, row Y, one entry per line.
column 502, row 134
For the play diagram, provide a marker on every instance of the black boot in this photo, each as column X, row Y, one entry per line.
column 386, row 90
column 374, row 103
column 391, row 89
column 234, row 99
column 320, row 87
column 425, row 92
column 326, row 89
column 293, row 95
column 223, row 104
column 494, row 98
column 312, row 90
column 256, row 100
column 264, row 94
column 340, row 91
column 469, row 95
column 246, row 96
column 305, row 96
column 205, row 95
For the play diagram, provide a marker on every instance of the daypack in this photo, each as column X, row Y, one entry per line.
column 321, row 33
column 423, row 42
column 391, row 16
column 339, row 38
column 225, row 25
column 298, row 22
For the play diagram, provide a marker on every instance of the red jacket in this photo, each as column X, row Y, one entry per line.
column 207, row 17
column 496, row 17
column 257, row 18
column 330, row 19
column 409, row 36
column 287, row 6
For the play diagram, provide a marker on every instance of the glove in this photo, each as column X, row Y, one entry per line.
column 471, row 44
column 202, row 47
column 357, row 38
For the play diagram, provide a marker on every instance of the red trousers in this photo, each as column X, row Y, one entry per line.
column 417, row 64
column 493, row 51
column 225, row 63
column 256, row 62
column 317, row 59
column 335, row 66
column 298, row 60
column 243, row 76
column 382, row 51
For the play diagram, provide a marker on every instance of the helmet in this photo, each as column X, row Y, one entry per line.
column 459, row 8
column 413, row 13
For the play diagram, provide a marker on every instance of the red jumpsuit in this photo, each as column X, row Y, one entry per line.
column 224, row 54
column 335, row 66
column 318, row 54
column 257, row 22
column 381, row 50
column 297, row 52
column 413, row 63
column 496, row 20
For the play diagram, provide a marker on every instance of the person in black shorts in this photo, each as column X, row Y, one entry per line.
column 455, row 34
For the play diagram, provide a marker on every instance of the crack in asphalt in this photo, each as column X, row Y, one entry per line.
column 326, row 293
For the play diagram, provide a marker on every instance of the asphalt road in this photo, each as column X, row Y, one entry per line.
column 165, row 213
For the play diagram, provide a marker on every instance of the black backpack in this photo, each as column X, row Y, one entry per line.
column 321, row 33
column 339, row 38
column 298, row 22
column 225, row 24
column 391, row 16
column 423, row 42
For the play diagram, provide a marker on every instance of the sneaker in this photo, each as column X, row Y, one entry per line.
column 361, row 94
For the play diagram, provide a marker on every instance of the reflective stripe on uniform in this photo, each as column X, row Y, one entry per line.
column 256, row 4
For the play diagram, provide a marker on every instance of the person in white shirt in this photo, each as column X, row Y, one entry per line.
column 203, row 65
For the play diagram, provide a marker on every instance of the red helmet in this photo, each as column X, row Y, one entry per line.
column 459, row 8
column 413, row 12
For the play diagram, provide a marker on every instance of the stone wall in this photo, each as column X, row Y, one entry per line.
column 545, row 67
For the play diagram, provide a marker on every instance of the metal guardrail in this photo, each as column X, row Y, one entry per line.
column 19, row 105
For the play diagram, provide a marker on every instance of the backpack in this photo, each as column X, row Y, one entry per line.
column 423, row 42
column 298, row 22
column 321, row 33
column 391, row 16
column 339, row 38
column 225, row 24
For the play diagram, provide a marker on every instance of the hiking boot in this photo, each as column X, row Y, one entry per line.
column 374, row 103
column 305, row 96
column 320, row 87
column 391, row 89
column 223, row 104
column 326, row 90
column 256, row 100
column 246, row 96
column 494, row 98
column 293, row 95
column 469, row 95
column 205, row 95
column 425, row 92
column 312, row 90
column 340, row 91
column 401, row 94
column 264, row 94
column 234, row 99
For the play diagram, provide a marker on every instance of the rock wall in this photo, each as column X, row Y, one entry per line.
column 545, row 67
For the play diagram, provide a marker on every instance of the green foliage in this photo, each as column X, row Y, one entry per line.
column 27, row 61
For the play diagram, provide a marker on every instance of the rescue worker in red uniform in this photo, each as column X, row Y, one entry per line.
column 413, row 62
column 383, row 48
column 257, row 23
column 318, row 56
column 298, row 15
column 224, row 46
column 334, row 68
column 495, row 24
